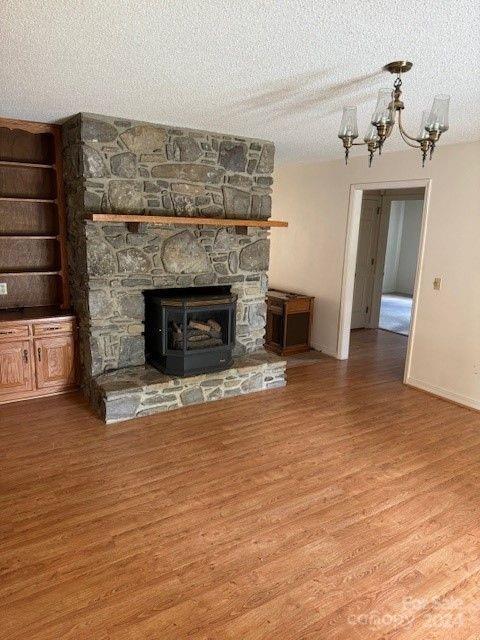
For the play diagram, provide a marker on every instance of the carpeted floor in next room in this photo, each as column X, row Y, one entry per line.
column 395, row 313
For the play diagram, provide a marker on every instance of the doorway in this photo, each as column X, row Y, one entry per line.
column 400, row 262
column 386, row 263
column 381, row 273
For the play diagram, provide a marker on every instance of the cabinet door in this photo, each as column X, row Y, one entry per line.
column 15, row 368
column 55, row 361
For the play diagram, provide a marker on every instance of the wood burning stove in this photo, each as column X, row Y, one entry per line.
column 190, row 331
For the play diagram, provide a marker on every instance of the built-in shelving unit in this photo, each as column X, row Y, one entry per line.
column 135, row 219
column 32, row 217
column 37, row 331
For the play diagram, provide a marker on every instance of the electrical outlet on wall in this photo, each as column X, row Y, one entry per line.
column 437, row 283
column 3, row 289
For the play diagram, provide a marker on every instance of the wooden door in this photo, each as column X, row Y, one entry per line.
column 365, row 266
column 55, row 361
column 15, row 368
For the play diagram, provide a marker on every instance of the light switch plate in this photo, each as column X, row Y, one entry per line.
column 437, row 283
column 3, row 289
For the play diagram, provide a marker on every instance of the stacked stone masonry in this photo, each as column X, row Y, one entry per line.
column 140, row 391
column 140, row 167
column 123, row 265
column 121, row 166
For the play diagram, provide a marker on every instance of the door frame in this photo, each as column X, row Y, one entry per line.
column 350, row 259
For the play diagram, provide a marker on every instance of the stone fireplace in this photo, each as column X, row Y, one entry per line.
column 118, row 166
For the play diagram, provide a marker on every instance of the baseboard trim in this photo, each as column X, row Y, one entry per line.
column 325, row 350
column 445, row 394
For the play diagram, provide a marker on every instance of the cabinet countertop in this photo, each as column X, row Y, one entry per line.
column 34, row 314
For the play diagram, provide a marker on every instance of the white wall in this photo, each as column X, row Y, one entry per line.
column 394, row 243
column 408, row 256
column 403, row 239
column 308, row 256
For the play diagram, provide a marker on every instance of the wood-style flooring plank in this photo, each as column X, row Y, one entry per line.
column 331, row 508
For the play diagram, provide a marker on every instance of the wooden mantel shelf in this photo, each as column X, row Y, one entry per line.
column 135, row 219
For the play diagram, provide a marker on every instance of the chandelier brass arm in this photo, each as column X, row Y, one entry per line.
column 426, row 144
column 410, row 144
column 402, row 130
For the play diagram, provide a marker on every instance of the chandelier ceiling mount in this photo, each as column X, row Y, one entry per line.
column 399, row 66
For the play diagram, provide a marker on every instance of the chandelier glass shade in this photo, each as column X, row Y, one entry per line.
column 348, row 126
column 383, row 114
column 388, row 112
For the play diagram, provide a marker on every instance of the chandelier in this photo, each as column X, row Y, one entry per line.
column 384, row 118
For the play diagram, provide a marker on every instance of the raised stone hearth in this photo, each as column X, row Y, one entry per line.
column 113, row 166
column 140, row 391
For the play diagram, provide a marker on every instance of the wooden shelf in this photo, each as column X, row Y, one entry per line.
column 40, row 272
column 26, row 236
column 31, row 165
column 177, row 220
column 8, row 199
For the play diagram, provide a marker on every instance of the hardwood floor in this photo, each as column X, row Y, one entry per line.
column 344, row 506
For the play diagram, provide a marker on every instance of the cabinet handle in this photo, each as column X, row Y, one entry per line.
column 52, row 328
column 25, row 356
column 39, row 352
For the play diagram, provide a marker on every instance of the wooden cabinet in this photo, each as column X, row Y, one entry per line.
column 10, row 331
column 37, row 355
column 54, row 361
column 53, row 328
column 15, row 367
column 289, row 318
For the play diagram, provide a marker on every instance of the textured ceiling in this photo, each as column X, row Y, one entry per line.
column 274, row 69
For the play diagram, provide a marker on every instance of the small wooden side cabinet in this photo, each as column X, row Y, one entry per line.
column 289, row 318
column 37, row 354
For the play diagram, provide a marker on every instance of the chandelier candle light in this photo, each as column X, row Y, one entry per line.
column 389, row 103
